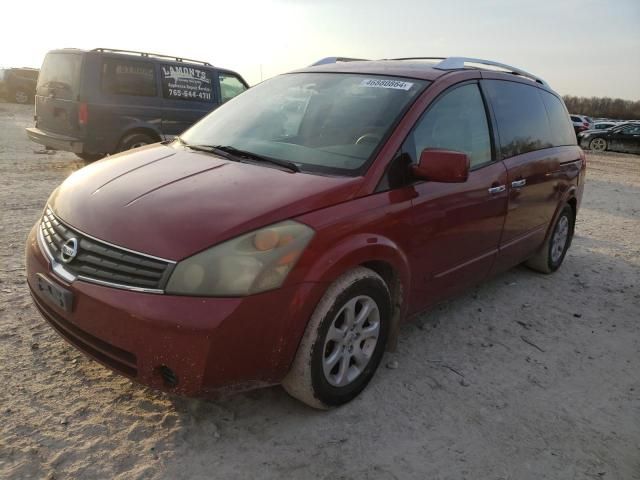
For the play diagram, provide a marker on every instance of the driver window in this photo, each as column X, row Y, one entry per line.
column 457, row 121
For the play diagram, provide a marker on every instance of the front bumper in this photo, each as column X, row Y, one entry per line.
column 210, row 344
column 55, row 140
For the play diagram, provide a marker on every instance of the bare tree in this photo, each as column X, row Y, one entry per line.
column 606, row 107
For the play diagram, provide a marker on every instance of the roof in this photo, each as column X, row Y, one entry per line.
column 425, row 68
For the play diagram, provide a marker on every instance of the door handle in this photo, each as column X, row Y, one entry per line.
column 519, row 183
column 498, row 189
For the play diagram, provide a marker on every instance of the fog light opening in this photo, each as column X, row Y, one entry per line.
column 169, row 377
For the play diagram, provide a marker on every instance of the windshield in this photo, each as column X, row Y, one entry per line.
column 60, row 73
column 322, row 122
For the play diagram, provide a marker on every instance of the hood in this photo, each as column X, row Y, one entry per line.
column 172, row 202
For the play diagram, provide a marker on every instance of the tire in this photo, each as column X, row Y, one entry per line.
column 90, row 157
column 552, row 253
column 598, row 145
column 315, row 378
column 20, row 96
column 135, row 140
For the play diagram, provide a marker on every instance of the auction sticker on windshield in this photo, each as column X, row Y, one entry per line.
column 395, row 84
column 187, row 83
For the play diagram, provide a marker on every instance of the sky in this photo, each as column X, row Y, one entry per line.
column 580, row 47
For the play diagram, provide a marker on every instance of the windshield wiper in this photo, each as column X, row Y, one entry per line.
column 254, row 156
column 233, row 153
column 208, row 149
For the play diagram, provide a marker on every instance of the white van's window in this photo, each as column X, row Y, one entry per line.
column 183, row 82
column 126, row 77
column 60, row 75
column 230, row 86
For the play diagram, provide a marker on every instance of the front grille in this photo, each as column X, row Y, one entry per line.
column 101, row 262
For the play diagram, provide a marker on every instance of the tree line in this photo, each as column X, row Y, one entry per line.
column 614, row 108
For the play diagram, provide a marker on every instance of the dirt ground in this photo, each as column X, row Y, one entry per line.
column 524, row 377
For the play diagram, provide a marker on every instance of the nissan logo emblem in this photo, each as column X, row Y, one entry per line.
column 69, row 250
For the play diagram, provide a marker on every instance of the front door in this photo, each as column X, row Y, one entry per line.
column 457, row 226
column 626, row 139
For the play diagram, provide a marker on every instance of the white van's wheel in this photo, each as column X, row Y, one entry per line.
column 344, row 341
column 135, row 140
column 20, row 96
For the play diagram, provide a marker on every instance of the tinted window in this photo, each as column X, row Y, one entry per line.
column 522, row 119
column 230, row 86
column 126, row 77
column 561, row 129
column 60, row 72
column 631, row 129
column 457, row 121
column 575, row 119
column 187, row 83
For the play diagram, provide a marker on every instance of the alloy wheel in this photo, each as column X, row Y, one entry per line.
column 598, row 144
column 21, row 97
column 559, row 240
column 351, row 341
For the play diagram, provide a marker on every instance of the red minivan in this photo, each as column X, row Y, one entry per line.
column 286, row 236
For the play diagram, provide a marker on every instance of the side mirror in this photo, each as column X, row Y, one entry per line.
column 446, row 166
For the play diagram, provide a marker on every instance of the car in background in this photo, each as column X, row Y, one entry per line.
column 286, row 236
column 581, row 123
column 604, row 125
column 621, row 138
column 18, row 84
column 104, row 101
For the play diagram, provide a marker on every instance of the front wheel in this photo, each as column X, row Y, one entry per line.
column 90, row 157
column 552, row 253
column 344, row 341
column 598, row 145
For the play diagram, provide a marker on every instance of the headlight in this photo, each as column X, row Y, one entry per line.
column 251, row 263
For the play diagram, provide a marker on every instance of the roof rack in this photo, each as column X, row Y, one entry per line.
column 457, row 63
column 146, row 54
column 327, row 60
column 447, row 63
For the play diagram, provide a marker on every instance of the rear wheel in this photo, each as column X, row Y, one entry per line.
column 552, row 253
column 598, row 144
column 90, row 157
column 344, row 341
column 135, row 140
column 20, row 96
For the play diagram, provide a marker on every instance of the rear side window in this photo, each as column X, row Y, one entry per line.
column 60, row 73
column 561, row 129
column 457, row 121
column 187, row 83
column 522, row 119
column 230, row 86
column 127, row 77
column 575, row 119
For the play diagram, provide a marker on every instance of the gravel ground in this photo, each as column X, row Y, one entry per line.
column 524, row 377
